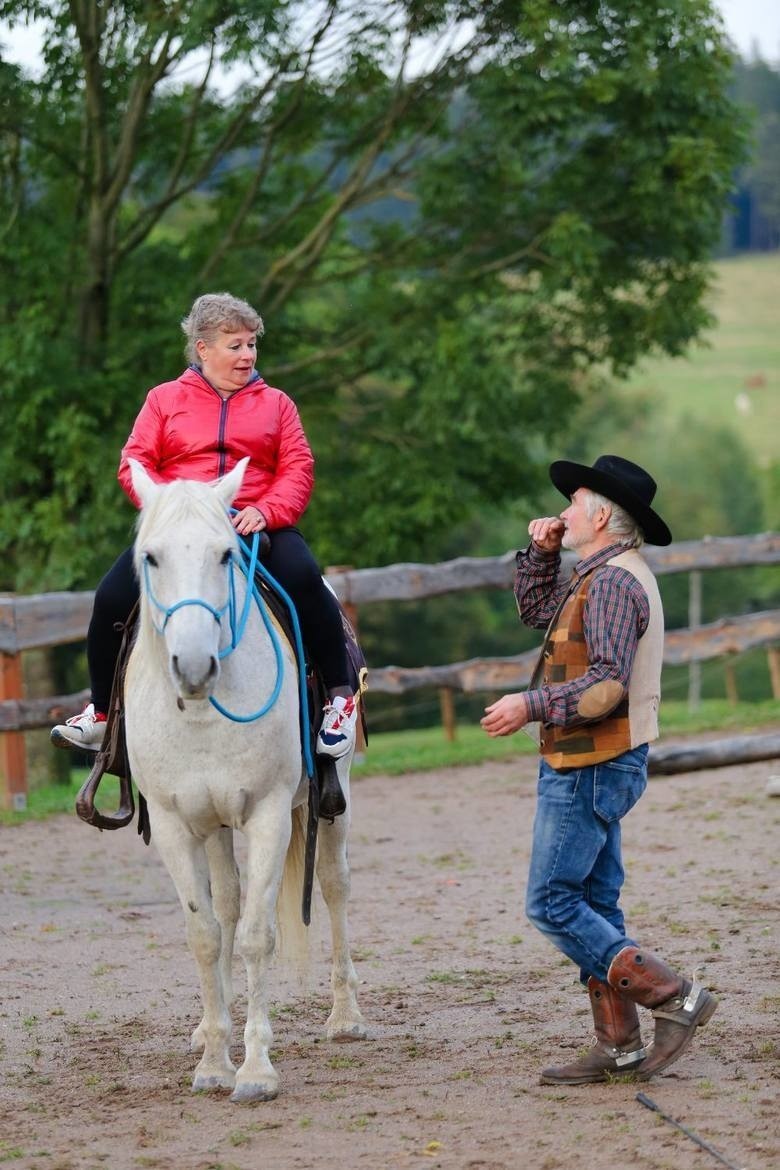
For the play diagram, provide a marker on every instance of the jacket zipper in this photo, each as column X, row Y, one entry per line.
column 221, row 436
column 223, row 411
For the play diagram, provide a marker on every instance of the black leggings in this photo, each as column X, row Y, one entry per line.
column 289, row 561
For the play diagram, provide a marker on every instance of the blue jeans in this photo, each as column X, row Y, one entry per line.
column 576, row 870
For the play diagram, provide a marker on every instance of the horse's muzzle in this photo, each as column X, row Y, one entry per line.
column 194, row 680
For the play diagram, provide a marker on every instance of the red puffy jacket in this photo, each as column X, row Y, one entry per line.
column 186, row 430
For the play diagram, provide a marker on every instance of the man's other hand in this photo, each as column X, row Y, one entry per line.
column 507, row 715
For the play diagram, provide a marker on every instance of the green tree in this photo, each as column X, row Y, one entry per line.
column 449, row 213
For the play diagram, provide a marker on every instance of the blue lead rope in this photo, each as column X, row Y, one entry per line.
column 250, row 566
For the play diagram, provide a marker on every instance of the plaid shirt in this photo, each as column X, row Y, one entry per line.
column 616, row 615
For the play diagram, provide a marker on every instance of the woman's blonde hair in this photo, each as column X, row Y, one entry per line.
column 216, row 313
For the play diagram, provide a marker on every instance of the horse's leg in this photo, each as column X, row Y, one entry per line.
column 345, row 1021
column 225, row 899
column 185, row 859
column 268, row 835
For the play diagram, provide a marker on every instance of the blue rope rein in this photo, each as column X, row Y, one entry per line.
column 251, row 567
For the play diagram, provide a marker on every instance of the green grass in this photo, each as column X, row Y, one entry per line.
column 739, row 357
column 46, row 800
column 395, row 752
column 717, row 715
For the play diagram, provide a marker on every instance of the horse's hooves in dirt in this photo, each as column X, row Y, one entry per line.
column 216, row 1084
column 244, row 1094
column 356, row 1031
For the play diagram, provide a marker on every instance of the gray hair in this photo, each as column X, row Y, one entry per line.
column 620, row 525
column 216, row 313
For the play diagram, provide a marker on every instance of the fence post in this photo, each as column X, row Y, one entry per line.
column 447, row 704
column 13, row 756
column 694, row 620
column 731, row 682
column 773, row 655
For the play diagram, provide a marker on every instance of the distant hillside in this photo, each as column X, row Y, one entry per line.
column 733, row 378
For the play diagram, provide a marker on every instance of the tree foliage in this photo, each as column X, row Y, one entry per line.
column 448, row 212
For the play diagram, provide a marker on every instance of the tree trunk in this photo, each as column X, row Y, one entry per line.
column 96, row 294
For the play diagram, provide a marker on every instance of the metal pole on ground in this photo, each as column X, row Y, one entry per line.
column 648, row 1103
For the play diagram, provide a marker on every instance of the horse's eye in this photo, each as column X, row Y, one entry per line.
column 151, row 560
column 227, row 556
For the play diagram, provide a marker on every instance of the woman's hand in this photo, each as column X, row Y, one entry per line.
column 547, row 533
column 507, row 715
column 249, row 520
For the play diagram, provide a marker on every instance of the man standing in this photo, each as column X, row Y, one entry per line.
column 595, row 692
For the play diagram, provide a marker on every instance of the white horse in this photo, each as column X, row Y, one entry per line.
column 204, row 775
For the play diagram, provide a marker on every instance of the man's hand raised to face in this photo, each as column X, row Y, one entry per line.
column 547, row 533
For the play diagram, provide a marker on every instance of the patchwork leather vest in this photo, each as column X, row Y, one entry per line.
column 617, row 719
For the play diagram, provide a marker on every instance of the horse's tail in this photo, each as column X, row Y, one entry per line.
column 293, row 936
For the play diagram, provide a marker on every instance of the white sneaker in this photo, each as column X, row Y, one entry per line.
column 339, row 724
column 84, row 732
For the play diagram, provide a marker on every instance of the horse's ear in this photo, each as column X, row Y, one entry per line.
column 143, row 484
column 228, row 487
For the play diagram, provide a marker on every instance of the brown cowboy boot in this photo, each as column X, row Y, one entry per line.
column 677, row 1005
column 618, row 1048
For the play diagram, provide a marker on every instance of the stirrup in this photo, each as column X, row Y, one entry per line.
column 332, row 800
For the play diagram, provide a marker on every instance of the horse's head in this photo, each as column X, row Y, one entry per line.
column 184, row 553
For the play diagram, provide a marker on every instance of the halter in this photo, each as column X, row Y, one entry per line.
column 169, row 610
column 250, row 567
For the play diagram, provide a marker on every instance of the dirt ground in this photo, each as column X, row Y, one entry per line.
column 465, row 1002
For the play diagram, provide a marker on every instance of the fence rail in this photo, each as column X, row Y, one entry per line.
column 727, row 636
column 413, row 582
column 52, row 619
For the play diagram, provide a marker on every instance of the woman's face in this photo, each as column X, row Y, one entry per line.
column 229, row 361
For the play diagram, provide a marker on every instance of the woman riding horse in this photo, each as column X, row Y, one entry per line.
column 214, row 745
column 198, row 427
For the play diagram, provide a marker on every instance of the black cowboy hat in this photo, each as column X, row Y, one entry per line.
column 620, row 481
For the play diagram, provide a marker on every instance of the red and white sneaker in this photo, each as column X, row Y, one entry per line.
column 84, row 732
column 339, row 723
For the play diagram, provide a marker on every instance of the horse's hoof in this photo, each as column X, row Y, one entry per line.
column 244, row 1094
column 223, row 1082
column 346, row 1035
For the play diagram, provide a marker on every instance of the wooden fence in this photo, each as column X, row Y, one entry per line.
column 53, row 619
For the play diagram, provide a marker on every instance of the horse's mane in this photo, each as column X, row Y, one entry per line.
column 180, row 500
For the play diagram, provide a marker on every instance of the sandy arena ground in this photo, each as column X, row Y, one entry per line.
column 465, row 1002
